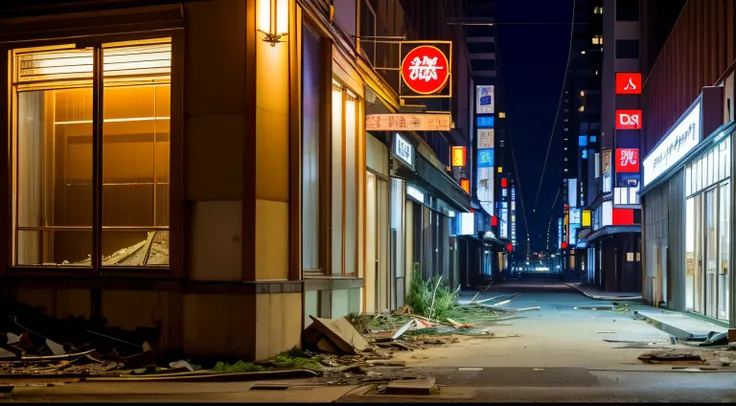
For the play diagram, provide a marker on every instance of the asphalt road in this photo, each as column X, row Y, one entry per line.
column 555, row 354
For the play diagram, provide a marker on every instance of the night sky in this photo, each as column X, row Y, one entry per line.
column 533, row 58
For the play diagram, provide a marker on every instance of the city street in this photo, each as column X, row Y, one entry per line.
column 557, row 353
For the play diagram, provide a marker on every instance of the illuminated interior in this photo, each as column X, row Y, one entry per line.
column 53, row 155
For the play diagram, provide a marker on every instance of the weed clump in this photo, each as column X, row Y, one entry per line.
column 422, row 291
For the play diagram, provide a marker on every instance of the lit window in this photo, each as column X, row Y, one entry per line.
column 598, row 10
column 54, row 177
column 596, row 73
column 597, row 40
column 582, row 93
column 565, row 169
column 500, row 169
column 501, row 114
column 582, row 52
column 565, row 148
column 593, row 138
column 581, row 109
column 566, row 129
column 565, row 159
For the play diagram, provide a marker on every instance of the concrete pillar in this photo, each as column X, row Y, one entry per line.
column 237, row 104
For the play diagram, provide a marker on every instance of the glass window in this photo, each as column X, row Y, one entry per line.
column 54, row 177
column 688, row 180
column 311, row 92
column 690, row 260
column 627, row 10
column 627, row 48
column 135, row 154
column 724, row 277
column 337, row 194
column 351, row 190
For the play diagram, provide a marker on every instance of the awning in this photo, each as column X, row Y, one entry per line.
column 607, row 230
column 436, row 182
column 493, row 241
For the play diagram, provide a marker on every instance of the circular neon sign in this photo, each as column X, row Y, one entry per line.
column 425, row 70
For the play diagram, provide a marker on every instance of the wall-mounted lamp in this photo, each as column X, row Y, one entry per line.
column 273, row 20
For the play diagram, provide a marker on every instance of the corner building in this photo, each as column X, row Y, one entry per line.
column 165, row 164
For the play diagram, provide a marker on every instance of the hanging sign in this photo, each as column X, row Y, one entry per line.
column 408, row 122
column 425, row 70
column 458, row 156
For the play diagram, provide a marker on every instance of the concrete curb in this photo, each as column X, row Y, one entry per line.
column 676, row 332
column 608, row 298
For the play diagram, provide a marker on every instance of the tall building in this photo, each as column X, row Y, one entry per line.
column 580, row 122
column 608, row 253
column 688, row 157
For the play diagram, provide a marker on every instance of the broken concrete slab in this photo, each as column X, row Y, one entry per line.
column 342, row 333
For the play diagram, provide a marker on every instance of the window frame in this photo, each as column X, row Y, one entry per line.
column 176, row 264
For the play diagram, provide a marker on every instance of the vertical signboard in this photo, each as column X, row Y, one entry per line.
column 512, row 220
column 484, row 100
column 485, row 164
column 559, row 233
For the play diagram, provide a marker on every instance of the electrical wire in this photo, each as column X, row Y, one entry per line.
column 559, row 105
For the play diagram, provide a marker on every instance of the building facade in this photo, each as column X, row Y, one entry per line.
column 580, row 121
column 688, row 126
column 170, row 161
column 609, row 251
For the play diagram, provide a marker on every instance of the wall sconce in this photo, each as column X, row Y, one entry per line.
column 273, row 20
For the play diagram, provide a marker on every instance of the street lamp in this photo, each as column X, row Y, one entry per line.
column 273, row 20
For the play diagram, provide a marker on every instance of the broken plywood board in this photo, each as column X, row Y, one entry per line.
column 342, row 333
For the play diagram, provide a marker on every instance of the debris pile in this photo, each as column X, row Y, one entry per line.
column 32, row 343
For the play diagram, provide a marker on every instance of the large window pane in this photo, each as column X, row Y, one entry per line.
column 690, row 260
column 310, row 148
column 351, row 190
column 724, row 231
column 52, row 156
column 337, row 192
column 135, row 154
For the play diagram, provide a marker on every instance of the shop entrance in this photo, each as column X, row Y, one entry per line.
column 707, row 252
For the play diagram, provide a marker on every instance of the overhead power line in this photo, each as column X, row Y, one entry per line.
column 557, row 112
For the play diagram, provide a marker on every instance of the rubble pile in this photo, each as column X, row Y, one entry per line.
column 33, row 344
column 360, row 349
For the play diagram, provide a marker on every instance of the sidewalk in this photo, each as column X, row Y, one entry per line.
column 598, row 294
column 680, row 325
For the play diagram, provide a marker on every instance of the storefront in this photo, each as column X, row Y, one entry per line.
column 687, row 211
column 707, row 231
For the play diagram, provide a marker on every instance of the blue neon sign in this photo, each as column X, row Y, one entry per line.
column 484, row 121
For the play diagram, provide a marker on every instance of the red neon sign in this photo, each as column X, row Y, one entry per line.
column 425, row 70
column 628, row 119
column 564, row 245
column 494, row 221
column 628, row 83
column 509, row 247
column 504, row 182
column 627, row 160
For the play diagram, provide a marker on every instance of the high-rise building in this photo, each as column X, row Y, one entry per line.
column 580, row 122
